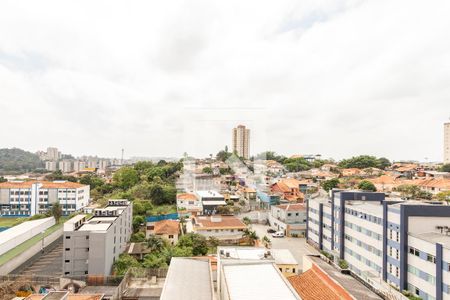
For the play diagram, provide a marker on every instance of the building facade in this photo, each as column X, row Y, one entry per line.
column 241, row 141
column 27, row 198
column 91, row 246
column 290, row 218
column 404, row 244
column 447, row 143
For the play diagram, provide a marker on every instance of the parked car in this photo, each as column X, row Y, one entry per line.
column 277, row 234
column 271, row 230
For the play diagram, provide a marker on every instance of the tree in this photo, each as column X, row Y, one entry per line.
column 297, row 164
column 366, row 185
column 3, row 179
column 196, row 241
column 155, row 243
column 267, row 242
column 137, row 237
column 330, row 184
column 445, row 168
column 137, row 222
column 126, row 177
column 247, row 221
column 92, row 180
column 443, row 196
column 365, row 161
column 270, row 155
column 223, row 155
column 250, row 235
column 56, row 211
column 410, row 191
column 207, row 170
column 155, row 261
column 213, row 243
column 125, row 262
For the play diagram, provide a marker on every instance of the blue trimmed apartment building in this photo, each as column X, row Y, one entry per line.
column 27, row 198
column 405, row 244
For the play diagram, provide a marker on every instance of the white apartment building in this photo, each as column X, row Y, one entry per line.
column 53, row 153
column 51, row 165
column 290, row 218
column 91, row 246
column 78, row 165
column 447, row 143
column 65, row 166
column 27, row 198
column 241, row 141
column 403, row 244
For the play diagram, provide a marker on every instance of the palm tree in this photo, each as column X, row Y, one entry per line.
column 251, row 236
column 267, row 242
column 155, row 243
column 247, row 221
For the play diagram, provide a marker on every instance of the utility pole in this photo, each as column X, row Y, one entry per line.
column 121, row 160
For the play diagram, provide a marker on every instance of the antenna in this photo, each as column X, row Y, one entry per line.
column 121, row 160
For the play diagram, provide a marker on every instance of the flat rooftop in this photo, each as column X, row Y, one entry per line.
column 209, row 194
column 188, row 279
column 434, row 237
column 269, row 283
column 374, row 208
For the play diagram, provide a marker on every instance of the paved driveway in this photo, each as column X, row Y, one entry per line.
column 297, row 246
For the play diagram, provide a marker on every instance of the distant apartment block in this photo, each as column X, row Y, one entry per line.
column 51, row 165
column 447, row 143
column 27, row 198
column 241, row 141
column 65, row 166
column 91, row 246
column 405, row 244
column 53, row 153
column 78, row 165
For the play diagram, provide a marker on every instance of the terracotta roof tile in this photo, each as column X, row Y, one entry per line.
column 310, row 286
column 45, row 184
column 225, row 222
column 167, row 227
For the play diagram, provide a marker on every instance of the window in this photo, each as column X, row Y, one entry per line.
column 67, row 237
column 293, row 270
column 67, row 261
column 87, row 237
column 86, row 272
column 170, row 236
column 431, row 258
column 66, row 273
column 67, row 249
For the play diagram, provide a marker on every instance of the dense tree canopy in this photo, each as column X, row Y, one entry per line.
column 366, row 185
column 445, row 168
column 365, row 161
column 18, row 160
column 328, row 185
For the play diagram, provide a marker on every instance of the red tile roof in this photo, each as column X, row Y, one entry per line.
column 45, row 184
column 310, row 286
column 292, row 207
column 224, row 222
column 167, row 227
column 186, row 196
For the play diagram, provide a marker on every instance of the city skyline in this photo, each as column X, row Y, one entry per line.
column 317, row 75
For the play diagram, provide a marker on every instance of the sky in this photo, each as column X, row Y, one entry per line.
column 160, row 78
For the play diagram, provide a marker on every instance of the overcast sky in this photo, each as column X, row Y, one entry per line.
column 159, row 78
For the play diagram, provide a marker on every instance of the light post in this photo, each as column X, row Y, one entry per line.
column 42, row 245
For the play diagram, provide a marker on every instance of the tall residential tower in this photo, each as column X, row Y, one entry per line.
column 447, row 143
column 241, row 141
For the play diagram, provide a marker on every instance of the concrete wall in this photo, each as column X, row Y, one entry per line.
column 20, row 259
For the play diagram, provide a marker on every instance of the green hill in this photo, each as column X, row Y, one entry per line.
column 17, row 161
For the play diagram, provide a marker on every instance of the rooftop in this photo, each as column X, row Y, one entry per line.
column 310, row 286
column 354, row 287
column 167, row 227
column 209, row 194
column 218, row 221
column 188, row 279
column 434, row 237
column 45, row 184
column 269, row 282
column 292, row 207
column 283, row 257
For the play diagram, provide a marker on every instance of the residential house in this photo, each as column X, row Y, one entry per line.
column 210, row 201
column 290, row 218
column 167, row 229
column 227, row 229
column 288, row 189
column 137, row 250
column 188, row 202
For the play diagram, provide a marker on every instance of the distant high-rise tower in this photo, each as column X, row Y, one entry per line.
column 241, row 141
column 447, row 143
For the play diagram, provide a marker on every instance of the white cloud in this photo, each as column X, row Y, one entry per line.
column 339, row 78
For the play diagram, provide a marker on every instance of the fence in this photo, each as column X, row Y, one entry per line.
column 31, row 279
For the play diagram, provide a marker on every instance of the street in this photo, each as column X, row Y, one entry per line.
column 297, row 246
